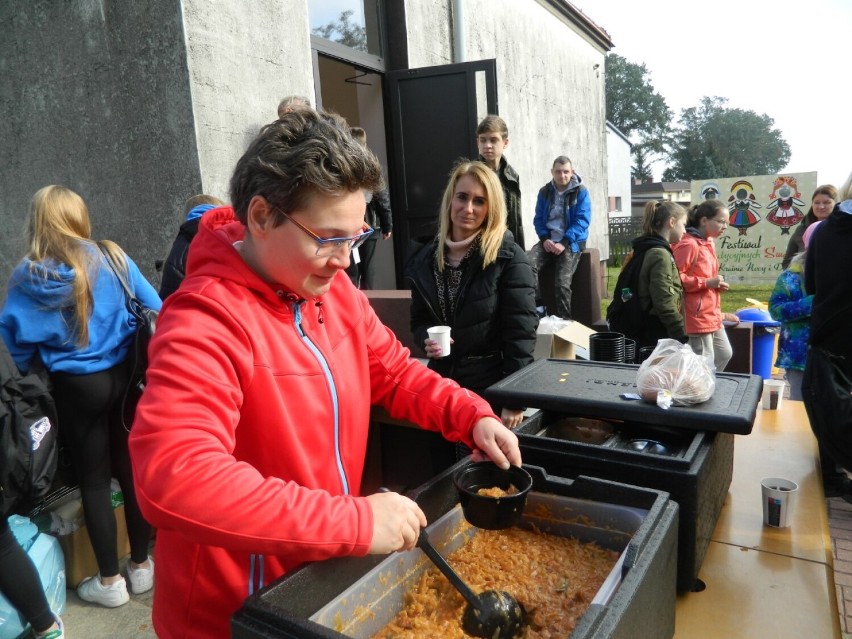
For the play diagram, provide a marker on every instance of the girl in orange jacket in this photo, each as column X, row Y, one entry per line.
column 703, row 285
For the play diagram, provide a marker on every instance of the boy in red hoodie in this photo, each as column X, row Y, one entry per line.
column 249, row 442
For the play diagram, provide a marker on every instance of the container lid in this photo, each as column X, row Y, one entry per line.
column 758, row 316
column 594, row 389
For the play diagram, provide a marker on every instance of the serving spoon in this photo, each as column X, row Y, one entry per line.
column 493, row 613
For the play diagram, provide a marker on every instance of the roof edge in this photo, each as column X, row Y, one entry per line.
column 597, row 34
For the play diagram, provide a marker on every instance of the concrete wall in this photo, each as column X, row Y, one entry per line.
column 549, row 92
column 243, row 57
column 95, row 96
column 137, row 107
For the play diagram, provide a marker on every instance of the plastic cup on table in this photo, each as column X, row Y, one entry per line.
column 778, row 497
column 773, row 393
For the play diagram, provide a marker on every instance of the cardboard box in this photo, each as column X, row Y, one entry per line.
column 569, row 342
column 80, row 557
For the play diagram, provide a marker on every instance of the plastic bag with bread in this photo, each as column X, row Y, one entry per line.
column 674, row 367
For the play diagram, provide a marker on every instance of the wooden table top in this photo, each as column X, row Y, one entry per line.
column 754, row 595
column 761, row 581
column 781, row 445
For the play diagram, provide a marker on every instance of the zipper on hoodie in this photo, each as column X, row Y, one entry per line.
column 332, row 387
column 256, row 578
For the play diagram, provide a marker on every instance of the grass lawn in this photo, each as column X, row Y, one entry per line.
column 732, row 300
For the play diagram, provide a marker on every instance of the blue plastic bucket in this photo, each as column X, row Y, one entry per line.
column 762, row 339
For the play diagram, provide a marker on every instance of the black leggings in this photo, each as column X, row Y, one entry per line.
column 20, row 583
column 89, row 408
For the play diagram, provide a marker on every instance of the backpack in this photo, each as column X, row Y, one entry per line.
column 29, row 441
column 146, row 324
column 624, row 313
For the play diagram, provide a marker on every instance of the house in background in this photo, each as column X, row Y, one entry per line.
column 619, row 161
column 643, row 193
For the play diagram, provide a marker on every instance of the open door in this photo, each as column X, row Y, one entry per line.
column 434, row 114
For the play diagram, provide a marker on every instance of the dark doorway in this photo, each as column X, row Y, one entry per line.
column 433, row 114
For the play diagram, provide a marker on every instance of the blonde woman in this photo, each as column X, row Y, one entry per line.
column 474, row 278
column 66, row 305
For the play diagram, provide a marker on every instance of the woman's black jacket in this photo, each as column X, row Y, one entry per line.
column 494, row 324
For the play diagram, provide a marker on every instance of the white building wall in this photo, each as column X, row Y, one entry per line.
column 243, row 57
column 549, row 90
column 618, row 167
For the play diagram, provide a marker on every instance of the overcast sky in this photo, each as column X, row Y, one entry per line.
column 788, row 60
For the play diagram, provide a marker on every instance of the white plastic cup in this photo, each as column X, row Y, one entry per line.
column 778, row 498
column 773, row 393
column 441, row 334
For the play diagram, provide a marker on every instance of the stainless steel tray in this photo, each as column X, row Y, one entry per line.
column 367, row 606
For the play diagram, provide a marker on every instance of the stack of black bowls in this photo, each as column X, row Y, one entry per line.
column 629, row 351
column 606, row 347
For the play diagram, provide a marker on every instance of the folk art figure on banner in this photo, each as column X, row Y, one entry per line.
column 763, row 213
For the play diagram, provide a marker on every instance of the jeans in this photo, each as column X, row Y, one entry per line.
column 563, row 274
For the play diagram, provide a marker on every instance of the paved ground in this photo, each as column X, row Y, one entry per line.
column 840, row 523
column 84, row 620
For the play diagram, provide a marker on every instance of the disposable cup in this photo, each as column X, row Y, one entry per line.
column 441, row 334
column 778, row 499
column 773, row 393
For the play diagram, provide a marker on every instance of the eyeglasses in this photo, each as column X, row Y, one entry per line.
column 329, row 245
column 723, row 222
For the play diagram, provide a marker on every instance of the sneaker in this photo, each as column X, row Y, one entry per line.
column 111, row 596
column 141, row 579
column 56, row 633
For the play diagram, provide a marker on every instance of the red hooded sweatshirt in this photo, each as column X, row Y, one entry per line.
column 249, row 442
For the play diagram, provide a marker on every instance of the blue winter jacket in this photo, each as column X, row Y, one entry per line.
column 37, row 316
column 578, row 213
column 790, row 305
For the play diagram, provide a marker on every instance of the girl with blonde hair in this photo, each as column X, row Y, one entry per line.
column 66, row 305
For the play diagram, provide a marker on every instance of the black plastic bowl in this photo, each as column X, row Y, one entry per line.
column 492, row 513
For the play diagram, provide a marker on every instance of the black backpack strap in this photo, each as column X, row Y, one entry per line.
column 134, row 305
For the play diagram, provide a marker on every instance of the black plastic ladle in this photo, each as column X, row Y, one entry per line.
column 493, row 613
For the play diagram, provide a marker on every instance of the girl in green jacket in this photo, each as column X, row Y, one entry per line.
column 660, row 290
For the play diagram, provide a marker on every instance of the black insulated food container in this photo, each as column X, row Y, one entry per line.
column 358, row 596
column 695, row 469
column 687, row 452
column 594, row 389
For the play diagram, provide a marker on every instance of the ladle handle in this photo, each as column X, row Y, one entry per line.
column 426, row 546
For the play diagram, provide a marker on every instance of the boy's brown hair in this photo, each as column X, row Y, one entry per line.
column 493, row 124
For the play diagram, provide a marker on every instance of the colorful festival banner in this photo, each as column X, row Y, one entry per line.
column 763, row 211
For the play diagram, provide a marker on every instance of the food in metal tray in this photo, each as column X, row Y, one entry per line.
column 554, row 578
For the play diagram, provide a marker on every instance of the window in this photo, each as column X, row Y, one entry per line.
column 614, row 203
column 352, row 23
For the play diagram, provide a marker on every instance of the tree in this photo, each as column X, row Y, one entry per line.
column 714, row 141
column 641, row 169
column 636, row 109
column 343, row 31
